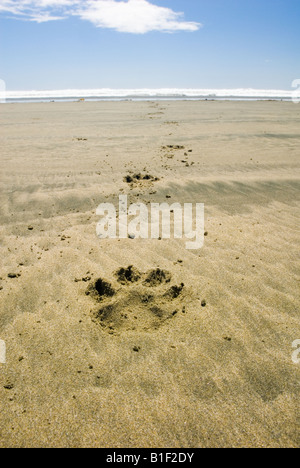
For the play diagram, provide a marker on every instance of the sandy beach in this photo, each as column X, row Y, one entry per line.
column 212, row 367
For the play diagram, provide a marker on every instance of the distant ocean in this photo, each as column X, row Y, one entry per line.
column 145, row 94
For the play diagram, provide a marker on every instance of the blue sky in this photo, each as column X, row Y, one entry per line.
column 59, row 44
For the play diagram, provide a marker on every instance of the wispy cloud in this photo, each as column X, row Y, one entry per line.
column 128, row 16
column 44, row 18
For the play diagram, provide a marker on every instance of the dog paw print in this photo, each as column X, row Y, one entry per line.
column 135, row 300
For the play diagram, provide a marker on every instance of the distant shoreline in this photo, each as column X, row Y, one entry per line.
column 112, row 99
column 139, row 95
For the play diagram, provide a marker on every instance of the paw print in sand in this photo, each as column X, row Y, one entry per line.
column 136, row 301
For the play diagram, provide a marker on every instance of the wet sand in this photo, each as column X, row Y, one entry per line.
column 183, row 348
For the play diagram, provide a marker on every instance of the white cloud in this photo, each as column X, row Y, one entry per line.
column 134, row 16
column 130, row 16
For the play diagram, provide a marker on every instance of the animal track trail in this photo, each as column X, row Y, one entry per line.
column 139, row 179
column 140, row 301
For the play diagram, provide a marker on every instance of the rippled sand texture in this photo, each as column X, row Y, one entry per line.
column 141, row 343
